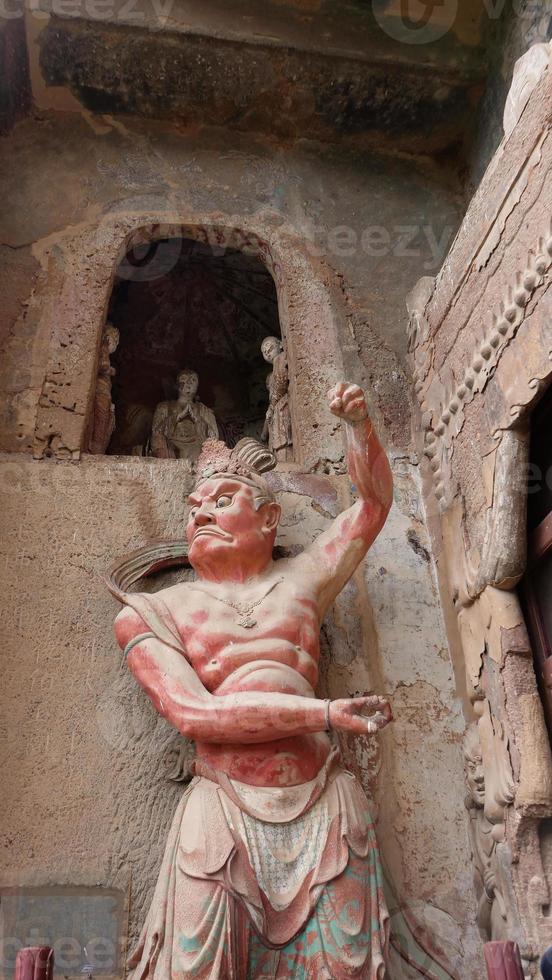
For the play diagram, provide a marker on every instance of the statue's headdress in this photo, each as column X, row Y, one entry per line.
column 245, row 463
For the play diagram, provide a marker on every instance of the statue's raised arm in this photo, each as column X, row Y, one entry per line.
column 333, row 557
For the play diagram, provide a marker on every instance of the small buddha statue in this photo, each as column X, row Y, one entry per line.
column 180, row 427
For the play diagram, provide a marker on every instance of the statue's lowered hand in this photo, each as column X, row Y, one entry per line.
column 362, row 716
column 347, row 402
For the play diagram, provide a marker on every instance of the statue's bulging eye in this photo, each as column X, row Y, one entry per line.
column 224, row 501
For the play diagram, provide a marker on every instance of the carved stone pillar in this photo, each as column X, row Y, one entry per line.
column 481, row 353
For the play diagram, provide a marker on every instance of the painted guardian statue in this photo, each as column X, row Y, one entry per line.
column 271, row 869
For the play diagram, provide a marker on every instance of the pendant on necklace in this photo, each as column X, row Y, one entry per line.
column 247, row 622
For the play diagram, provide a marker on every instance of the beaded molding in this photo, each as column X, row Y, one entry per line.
column 442, row 424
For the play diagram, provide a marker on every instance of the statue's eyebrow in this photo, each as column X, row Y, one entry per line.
column 229, row 485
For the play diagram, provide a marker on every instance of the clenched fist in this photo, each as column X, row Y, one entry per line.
column 347, row 402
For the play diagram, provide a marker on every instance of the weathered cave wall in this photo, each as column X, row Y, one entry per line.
column 513, row 26
column 329, row 70
column 295, row 94
column 422, row 825
column 75, row 721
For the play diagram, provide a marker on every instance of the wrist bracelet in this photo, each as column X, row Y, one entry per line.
column 137, row 639
column 327, row 714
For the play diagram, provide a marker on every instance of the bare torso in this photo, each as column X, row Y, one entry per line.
column 243, row 686
column 279, row 653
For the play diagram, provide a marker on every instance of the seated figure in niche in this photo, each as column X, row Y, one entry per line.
column 277, row 427
column 271, row 869
column 103, row 421
column 180, row 427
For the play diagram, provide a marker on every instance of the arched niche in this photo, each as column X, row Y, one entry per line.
column 181, row 304
column 307, row 313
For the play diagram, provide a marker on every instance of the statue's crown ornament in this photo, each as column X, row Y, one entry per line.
column 246, row 461
column 213, row 458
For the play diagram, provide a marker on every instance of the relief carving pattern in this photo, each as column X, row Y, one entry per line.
column 487, row 832
column 442, row 410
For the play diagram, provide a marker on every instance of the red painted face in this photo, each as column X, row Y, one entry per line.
column 223, row 521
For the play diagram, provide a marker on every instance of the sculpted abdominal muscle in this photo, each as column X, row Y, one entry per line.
column 240, row 661
column 266, row 675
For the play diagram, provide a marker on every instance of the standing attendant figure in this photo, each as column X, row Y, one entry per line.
column 277, row 426
column 103, row 422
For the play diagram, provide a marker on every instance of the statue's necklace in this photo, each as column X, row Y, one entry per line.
column 244, row 609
